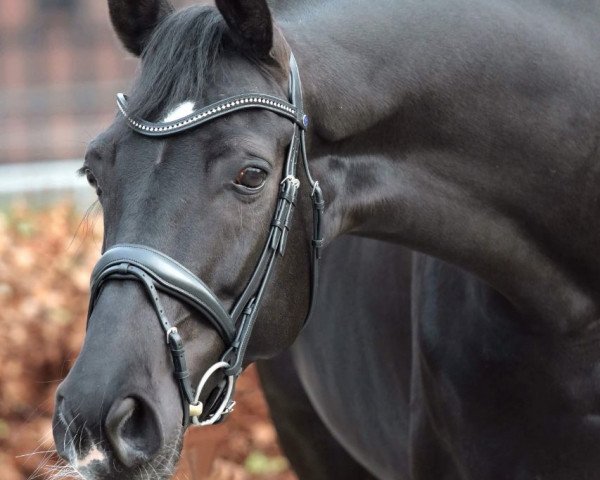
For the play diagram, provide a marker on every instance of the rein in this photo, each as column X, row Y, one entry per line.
column 158, row 272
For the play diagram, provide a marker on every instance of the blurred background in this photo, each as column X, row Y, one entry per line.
column 60, row 67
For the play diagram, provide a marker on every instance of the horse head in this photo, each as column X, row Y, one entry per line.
column 197, row 181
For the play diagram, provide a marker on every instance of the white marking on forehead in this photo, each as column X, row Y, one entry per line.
column 94, row 455
column 183, row 110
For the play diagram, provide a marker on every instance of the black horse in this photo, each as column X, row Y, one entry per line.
column 464, row 130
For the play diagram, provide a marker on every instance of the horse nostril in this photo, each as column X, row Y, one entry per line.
column 60, row 430
column 134, row 432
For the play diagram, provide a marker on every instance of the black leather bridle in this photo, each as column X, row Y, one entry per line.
column 159, row 272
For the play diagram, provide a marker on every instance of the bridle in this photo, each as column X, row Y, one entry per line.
column 159, row 272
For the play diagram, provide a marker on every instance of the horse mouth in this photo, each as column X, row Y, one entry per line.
column 97, row 464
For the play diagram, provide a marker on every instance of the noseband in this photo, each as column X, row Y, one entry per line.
column 158, row 272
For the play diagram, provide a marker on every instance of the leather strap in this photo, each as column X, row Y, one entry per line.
column 211, row 112
column 125, row 270
column 170, row 277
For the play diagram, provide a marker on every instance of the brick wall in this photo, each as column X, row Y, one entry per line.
column 60, row 67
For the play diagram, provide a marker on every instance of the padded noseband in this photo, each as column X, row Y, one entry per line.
column 168, row 276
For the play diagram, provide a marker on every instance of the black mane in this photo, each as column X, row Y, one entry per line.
column 178, row 61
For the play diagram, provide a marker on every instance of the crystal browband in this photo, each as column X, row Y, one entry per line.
column 213, row 111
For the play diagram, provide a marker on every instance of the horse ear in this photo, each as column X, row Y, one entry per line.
column 135, row 20
column 250, row 24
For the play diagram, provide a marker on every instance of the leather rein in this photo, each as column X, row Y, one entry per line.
column 158, row 272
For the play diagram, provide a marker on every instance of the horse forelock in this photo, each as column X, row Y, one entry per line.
column 178, row 61
column 183, row 57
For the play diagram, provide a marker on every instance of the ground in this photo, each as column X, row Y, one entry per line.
column 46, row 256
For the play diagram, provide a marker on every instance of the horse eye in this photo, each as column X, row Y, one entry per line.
column 90, row 178
column 251, row 177
column 92, row 181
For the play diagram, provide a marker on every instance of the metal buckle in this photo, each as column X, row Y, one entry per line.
column 314, row 189
column 230, row 408
column 226, row 405
column 169, row 332
column 292, row 179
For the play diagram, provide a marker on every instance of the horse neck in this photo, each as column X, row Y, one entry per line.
column 407, row 154
column 336, row 65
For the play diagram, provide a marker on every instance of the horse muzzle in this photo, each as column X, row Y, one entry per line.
column 157, row 272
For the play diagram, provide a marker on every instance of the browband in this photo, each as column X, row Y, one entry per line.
column 213, row 111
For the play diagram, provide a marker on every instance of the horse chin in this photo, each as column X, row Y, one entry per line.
column 96, row 464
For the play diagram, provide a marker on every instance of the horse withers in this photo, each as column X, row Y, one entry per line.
column 466, row 131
